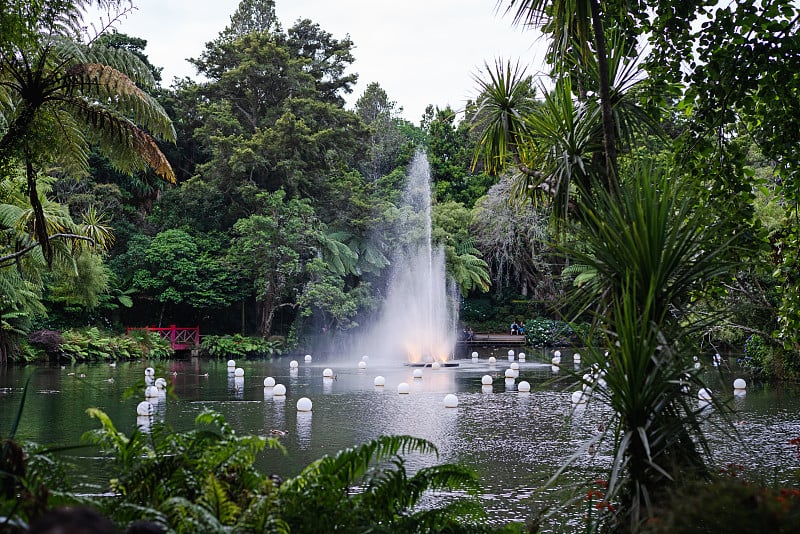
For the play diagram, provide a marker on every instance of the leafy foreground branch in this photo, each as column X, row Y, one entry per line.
column 205, row 480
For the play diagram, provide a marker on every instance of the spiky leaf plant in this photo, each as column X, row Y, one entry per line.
column 653, row 255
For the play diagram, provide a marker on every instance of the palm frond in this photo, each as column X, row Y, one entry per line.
column 94, row 227
column 506, row 98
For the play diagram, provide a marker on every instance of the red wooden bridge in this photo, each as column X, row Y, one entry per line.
column 180, row 338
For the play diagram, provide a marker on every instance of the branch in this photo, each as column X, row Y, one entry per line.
column 7, row 260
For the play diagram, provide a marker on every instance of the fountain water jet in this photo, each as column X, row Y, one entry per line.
column 419, row 316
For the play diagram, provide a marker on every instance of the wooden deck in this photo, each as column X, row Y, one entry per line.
column 480, row 338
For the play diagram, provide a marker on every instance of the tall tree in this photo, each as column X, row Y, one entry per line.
column 272, row 249
column 385, row 139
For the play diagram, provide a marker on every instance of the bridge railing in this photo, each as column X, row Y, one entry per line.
column 180, row 338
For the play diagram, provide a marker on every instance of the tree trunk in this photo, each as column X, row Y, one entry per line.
column 609, row 139
column 267, row 314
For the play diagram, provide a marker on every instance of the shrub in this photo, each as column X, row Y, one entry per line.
column 757, row 355
column 46, row 340
column 543, row 332
column 91, row 344
column 238, row 346
column 729, row 505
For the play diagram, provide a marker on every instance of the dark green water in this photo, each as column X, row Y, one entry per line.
column 514, row 440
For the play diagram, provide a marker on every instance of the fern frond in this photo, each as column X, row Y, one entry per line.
column 124, row 61
column 114, row 88
column 127, row 146
column 262, row 515
column 348, row 465
column 584, row 273
column 187, row 517
column 66, row 49
column 73, row 150
column 215, row 498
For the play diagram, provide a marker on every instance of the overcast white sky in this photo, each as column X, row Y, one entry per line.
column 421, row 52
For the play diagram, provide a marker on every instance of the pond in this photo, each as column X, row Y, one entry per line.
column 514, row 440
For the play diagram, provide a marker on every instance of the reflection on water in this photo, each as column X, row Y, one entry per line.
column 514, row 440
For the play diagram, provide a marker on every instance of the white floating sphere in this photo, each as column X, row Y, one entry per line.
column 578, row 397
column 555, row 368
column 362, row 364
column 511, row 354
column 238, row 372
column 307, row 358
column 486, row 380
column 161, row 383
column 269, row 382
column 436, row 365
column 304, row 404
column 557, row 354
column 704, row 394
column 740, row 383
column 144, row 422
column 403, row 388
column 474, row 355
column 327, row 372
column 524, row 386
column 450, row 401
column 144, row 408
column 279, row 390
column 697, row 365
column 149, row 371
column 492, row 359
column 231, row 363
column 515, row 366
column 576, row 357
column 150, row 392
column 510, row 373
column 556, row 360
column 293, row 364
column 587, row 377
column 521, row 356
column 417, row 373
column 379, row 381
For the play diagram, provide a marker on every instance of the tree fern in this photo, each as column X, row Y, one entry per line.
column 64, row 100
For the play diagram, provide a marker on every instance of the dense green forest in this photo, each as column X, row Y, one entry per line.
column 642, row 201
column 253, row 202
